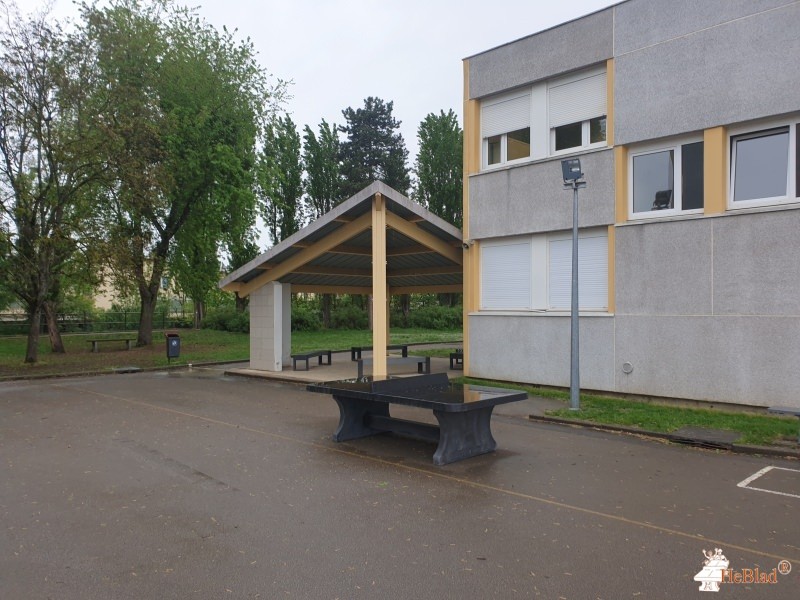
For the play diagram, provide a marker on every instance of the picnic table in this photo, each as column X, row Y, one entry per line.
column 463, row 411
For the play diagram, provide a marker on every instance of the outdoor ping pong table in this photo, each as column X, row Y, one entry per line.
column 464, row 411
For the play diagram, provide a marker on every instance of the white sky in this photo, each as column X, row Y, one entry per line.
column 338, row 52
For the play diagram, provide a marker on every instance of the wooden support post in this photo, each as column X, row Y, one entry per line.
column 380, row 326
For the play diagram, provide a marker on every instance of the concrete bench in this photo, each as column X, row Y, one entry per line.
column 457, row 360
column 307, row 355
column 786, row 410
column 96, row 341
column 355, row 351
column 423, row 363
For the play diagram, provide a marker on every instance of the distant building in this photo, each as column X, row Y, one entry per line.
column 685, row 116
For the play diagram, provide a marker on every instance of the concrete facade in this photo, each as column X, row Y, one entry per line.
column 703, row 304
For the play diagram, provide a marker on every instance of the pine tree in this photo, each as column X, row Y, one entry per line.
column 374, row 149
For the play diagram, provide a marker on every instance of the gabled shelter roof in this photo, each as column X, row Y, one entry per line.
column 334, row 253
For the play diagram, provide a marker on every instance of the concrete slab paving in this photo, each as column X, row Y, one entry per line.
column 192, row 484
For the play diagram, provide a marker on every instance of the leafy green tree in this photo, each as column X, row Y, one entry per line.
column 183, row 103
column 439, row 166
column 280, row 179
column 323, row 173
column 48, row 158
column 374, row 149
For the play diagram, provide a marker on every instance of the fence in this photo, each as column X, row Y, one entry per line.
column 17, row 323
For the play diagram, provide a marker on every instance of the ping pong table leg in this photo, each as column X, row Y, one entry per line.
column 463, row 434
column 353, row 416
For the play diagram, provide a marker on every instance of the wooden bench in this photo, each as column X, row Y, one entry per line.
column 423, row 363
column 355, row 351
column 457, row 360
column 307, row 355
column 786, row 410
column 463, row 412
column 96, row 341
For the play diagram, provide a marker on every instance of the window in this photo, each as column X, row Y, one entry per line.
column 592, row 271
column 764, row 167
column 535, row 272
column 505, row 128
column 666, row 180
column 577, row 108
column 549, row 117
column 506, row 268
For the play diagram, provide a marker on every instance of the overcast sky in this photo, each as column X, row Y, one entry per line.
column 338, row 52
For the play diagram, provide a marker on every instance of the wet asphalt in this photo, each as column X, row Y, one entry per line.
column 193, row 484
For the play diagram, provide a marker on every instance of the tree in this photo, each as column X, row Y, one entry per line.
column 374, row 149
column 323, row 182
column 323, row 173
column 280, row 180
column 183, row 103
column 48, row 159
column 439, row 166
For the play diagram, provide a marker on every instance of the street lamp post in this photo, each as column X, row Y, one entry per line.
column 573, row 178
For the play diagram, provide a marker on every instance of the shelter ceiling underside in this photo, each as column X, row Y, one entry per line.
column 334, row 253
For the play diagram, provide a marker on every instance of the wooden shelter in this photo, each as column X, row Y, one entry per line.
column 377, row 242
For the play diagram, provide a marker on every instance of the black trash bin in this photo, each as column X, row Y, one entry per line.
column 173, row 345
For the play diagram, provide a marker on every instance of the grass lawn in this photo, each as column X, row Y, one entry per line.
column 755, row 429
column 197, row 346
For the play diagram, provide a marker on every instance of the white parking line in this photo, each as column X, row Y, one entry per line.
column 746, row 482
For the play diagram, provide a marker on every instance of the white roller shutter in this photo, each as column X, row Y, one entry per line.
column 506, row 276
column 498, row 117
column 592, row 272
column 577, row 100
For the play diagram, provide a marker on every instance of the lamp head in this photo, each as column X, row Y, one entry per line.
column 571, row 170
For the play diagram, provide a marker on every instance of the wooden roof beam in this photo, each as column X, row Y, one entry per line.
column 421, row 236
column 305, row 256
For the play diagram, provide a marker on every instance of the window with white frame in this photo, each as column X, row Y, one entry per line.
column 666, row 179
column 535, row 272
column 577, row 107
column 550, row 117
column 764, row 166
column 505, row 128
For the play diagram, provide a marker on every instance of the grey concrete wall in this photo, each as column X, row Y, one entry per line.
column 710, row 308
column 536, row 349
column 664, row 268
column 570, row 46
column 643, row 23
column 757, row 265
column 747, row 360
column 675, row 76
column 532, row 198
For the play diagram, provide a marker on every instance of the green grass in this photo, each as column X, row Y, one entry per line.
column 197, row 346
column 650, row 416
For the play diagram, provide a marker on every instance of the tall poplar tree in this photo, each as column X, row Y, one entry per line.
column 280, row 179
column 439, row 166
column 323, row 172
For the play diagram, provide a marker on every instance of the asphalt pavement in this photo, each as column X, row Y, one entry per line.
column 194, row 484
